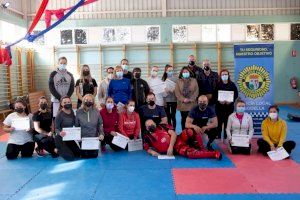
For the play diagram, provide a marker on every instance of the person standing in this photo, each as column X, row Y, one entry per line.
column 140, row 88
column 157, row 86
column 103, row 86
column 125, row 66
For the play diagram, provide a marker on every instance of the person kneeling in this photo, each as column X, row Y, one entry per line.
column 159, row 139
column 190, row 144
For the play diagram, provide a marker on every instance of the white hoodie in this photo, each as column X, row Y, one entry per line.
column 235, row 127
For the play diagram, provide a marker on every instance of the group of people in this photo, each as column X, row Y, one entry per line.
column 138, row 108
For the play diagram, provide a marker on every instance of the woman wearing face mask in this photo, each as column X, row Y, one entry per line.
column 274, row 130
column 119, row 88
column 155, row 84
column 129, row 122
column 90, row 121
column 42, row 121
column 170, row 100
column 103, row 86
column 110, row 119
column 186, row 91
column 224, row 108
column 239, row 122
column 65, row 118
column 85, row 85
column 19, row 140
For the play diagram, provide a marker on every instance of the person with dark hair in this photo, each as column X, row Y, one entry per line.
column 61, row 83
column 42, row 135
column 186, row 92
column 103, row 86
column 195, row 70
column 224, row 108
column 90, row 121
column 274, row 131
column 19, row 140
column 203, row 120
column 125, row 65
column 170, row 100
column 152, row 111
column 140, row 88
column 86, row 84
column 239, row 123
column 69, row 150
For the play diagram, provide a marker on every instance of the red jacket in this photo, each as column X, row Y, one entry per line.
column 159, row 140
column 110, row 120
column 129, row 124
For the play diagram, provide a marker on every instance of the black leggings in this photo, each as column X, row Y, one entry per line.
column 241, row 150
column 45, row 142
column 264, row 147
column 13, row 150
column 171, row 113
column 222, row 119
column 184, row 115
column 68, row 150
column 108, row 140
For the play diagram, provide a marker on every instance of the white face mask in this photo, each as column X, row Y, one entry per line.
column 109, row 106
column 110, row 76
column 62, row 66
column 273, row 115
column 153, row 73
column 130, row 109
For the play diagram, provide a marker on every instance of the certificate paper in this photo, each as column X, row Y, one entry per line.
column 90, row 143
column 73, row 133
column 21, row 123
column 225, row 95
column 120, row 140
column 165, row 157
column 278, row 154
column 239, row 140
column 135, row 145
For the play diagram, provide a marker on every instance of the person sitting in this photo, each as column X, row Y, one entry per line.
column 110, row 119
column 239, row 122
column 42, row 121
column 159, row 139
column 203, row 120
column 68, row 150
column 19, row 140
column 152, row 111
column 190, row 144
column 274, row 131
column 129, row 122
column 90, row 121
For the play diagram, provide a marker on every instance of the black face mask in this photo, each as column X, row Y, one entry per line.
column 88, row 104
column 19, row 110
column 192, row 63
column 86, row 73
column 206, row 68
column 68, row 106
column 202, row 106
column 137, row 75
column 43, row 106
column 151, row 128
column 151, row 103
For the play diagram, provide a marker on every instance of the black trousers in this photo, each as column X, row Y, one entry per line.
column 241, row 150
column 223, row 113
column 108, row 140
column 170, row 109
column 212, row 135
column 13, row 150
column 68, row 150
column 264, row 147
column 184, row 115
column 45, row 142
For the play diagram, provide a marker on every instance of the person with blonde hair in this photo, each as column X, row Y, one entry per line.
column 119, row 88
column 103, row 86
column 85, row 84
column 90, row 121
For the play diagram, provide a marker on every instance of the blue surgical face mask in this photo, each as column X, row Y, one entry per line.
column 62, row 66
column 124, row 67
column 170, row 73
column 186, row 74
column 119, row 74
column 240, row 109
column 224, row 77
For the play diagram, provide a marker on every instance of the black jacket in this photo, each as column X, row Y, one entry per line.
column 140, row 89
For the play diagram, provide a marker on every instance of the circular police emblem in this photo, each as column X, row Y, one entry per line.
column 254, row 81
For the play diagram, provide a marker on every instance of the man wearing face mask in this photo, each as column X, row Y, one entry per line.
column 125, row 66
column 61, row 83
column 159, row 139
column 203, row 120
column 152, row 111
column 140, row 88
column 103, row 86
column 193, row 67
column 207, row 82
column 156, row 85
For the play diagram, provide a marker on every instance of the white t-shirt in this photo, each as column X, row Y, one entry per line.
column 19, row 137
column 158, row 91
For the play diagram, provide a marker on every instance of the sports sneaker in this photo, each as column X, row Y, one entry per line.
column 40, row 152
column 218, row 155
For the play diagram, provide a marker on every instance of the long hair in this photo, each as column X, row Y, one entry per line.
column 21, row 101
column 84, row 98
column 88, row 77
column 181, row 71
column 220, row 78
column 60, row 102
column 165, row 75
